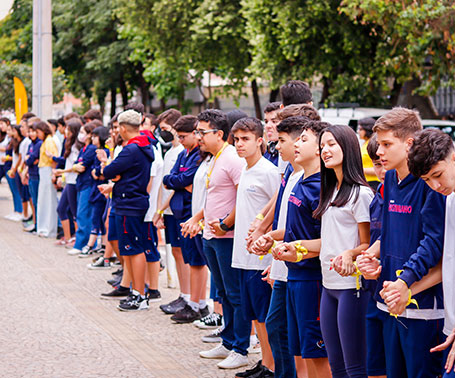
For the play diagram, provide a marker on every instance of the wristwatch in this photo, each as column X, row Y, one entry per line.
column 224, row 227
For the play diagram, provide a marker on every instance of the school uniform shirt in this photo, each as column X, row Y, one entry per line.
column 33, row 155
column 129, row 195
column 95, row 194
column 50, row 147
column 4, row 143
column 279, row 270
column 23, row 147
column 257, row 185
column 448, row 266
column 340, row 232
column 412, row 239
column 60, row 160
column 221, row 191
column 301, row 225
column 58, row 143
column 87, row 156
column 199, row 189
column 181, row 176
column 71, row 177
column 170, row 157
column 156, row 171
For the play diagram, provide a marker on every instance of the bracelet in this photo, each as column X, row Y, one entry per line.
column 160, row 212
column 269, row 251
column 201, row 225
column 300, row 249
column 260, row 216
column 299, row 256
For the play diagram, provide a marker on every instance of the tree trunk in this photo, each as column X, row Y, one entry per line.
column 395, row 93
column 113, row 100
column 257, row 102
column 123, row 91
column 274, row 95
column 145, row 94
column 163, row 105
column 325, row 90
column 422, row 103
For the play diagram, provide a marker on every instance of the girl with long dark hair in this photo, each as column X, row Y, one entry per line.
column 67, row 206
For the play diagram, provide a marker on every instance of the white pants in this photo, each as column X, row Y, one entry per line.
column 47, row 204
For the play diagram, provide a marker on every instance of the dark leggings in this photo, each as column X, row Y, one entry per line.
column 343, row 314
column 67, row 206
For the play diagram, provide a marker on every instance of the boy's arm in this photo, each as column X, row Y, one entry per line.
column 180, row 180
column 429, row 252
column 119, row 165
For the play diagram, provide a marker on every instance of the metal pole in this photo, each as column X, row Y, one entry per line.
column 42, row 59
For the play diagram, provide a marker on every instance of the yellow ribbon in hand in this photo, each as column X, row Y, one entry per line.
column 201, row 225
column 410, row 299
column 357, row 274
column 269, row 251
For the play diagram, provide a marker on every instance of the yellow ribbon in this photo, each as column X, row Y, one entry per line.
column 269, row 251
column 357, row 274
column 209, row 173
column 201, row 225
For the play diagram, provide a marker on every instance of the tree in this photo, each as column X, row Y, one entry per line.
column 417, row 44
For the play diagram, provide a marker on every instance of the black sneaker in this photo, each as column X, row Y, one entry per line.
column 204, row 311
column 153, row 295
column 115, row 281
column 120, row 292
column 211, row 321
column 186, row 315
column 87, row 251
column 135, row 303
column 214, row 337
column 118, row 272
column 255, row 372
column 174, row 306
column 100, row 263
column 266, row 373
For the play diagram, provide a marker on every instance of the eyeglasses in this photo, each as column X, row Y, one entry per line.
column 201, row 133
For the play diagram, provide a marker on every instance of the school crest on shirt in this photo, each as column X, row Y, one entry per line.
column 251, row 189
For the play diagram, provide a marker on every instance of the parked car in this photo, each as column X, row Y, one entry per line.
column 447, row 126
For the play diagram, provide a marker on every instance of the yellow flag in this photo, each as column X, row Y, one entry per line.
column 21, row 99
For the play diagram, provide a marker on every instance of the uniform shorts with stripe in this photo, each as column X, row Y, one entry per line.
column 112, row 228
column 304, row 329
column 255, row 295
column 131, row 232
column 172, row 231
column 151, row 242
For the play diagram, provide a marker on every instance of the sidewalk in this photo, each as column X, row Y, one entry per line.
column 53, row 323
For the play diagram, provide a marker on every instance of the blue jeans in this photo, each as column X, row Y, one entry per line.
column 83, row 218
column 33, row 188
column 277, row 331
column 236, row 333
column 15, row 192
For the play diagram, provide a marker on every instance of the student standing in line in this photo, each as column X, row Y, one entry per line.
column 344, row 212
column 47, row 194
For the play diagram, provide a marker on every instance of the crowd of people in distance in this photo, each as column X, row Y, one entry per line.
column 328, row 252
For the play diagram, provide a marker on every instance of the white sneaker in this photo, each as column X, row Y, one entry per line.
column 219, row 351
column 233, row 361
column 254, row 348
column 74, row 251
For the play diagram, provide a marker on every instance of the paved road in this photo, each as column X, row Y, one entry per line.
column 53, row 323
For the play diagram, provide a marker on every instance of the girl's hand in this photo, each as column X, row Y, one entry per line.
column 267, row 278
column 105, row 189
column 160, row 224
column 262, row 245
column 343, row 264
column 215, row 228
column 369, row 266
column 285, row 252
column 58, row 172
column 79, row 168
column 11, row 173
column 110, row 143
column 101, row 155
column 451, row 357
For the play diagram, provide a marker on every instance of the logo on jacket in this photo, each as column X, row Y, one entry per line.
column 401, row 209
column 295, row 200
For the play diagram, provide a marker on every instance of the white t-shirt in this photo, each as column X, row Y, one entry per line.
column 58, row 143
column 169, row 161
column 279, row 270
column 4, row 144
column 282, row 165
column 257, row 185
column 71, row 177
column 117, row 150
column 448, row 266
column 199, row 186
column 340, row 232
column 156, row 171
column 23, row 147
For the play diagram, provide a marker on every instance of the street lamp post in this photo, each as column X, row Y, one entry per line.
column 42, row 59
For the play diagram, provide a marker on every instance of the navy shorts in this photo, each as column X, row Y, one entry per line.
column 98, row 210
column 172, row 231
column 131, row 232
column 23, row 189
column 255, row 295
column 151, row 252
column 304, row 330
column 112, row 228
column 192, row 251
column 375, row 339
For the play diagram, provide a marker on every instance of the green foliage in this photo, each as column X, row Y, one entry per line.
column 24, row 72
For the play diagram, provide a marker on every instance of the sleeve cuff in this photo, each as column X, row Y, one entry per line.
column 409, row 277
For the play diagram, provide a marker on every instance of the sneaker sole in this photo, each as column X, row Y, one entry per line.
column 201, row 325
column 98, row 267
column 131, row 310
column 85, row 256
column 113, row 298
column 232, row 367
column 214, row 358
column 178, row 321
column 212, row 340
column 155, row 300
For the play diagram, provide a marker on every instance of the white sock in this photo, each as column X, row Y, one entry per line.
column 253, row 340
column 186, row 297
column 135, row 292
column 194, row 305
column 202, row 303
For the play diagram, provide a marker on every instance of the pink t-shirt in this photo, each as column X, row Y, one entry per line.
column 222, row 192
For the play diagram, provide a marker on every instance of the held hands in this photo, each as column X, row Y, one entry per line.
column 369, row 266
column 215, row 228
column 262, row 245
column 79, row 168
column 451, row 356
column 343, row 264
column 190, row 228
column 285, row 252
column 395, row 295
column 105, row 189
column 253, row 233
